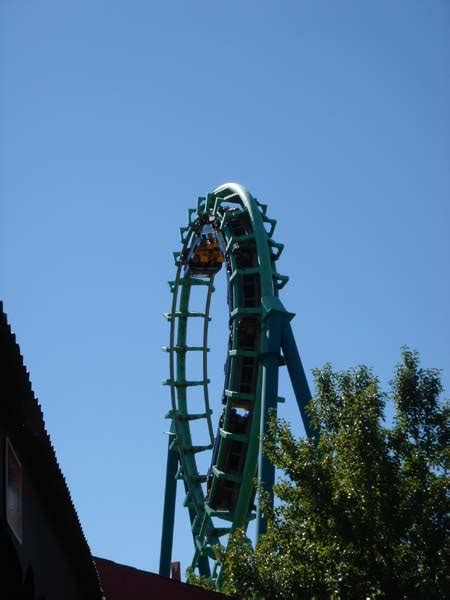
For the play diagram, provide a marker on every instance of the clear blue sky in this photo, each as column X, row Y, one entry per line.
column 115, row 115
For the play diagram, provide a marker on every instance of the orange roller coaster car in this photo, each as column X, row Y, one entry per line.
column 206, row 257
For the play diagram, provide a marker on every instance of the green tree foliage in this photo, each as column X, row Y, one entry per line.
column 361, row 512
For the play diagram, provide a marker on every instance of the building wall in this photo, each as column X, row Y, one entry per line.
column 41, row 549
column 52, row 561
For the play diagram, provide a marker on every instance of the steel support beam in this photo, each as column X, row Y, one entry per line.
column 296, row 374
column 169, row 511
column 270, row 364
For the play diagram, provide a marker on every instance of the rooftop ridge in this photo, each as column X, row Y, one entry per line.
column 29, row 432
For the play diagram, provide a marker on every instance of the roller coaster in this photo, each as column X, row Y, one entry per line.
column 230, row 230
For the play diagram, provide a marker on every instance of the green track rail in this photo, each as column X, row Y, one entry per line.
column 209, row 525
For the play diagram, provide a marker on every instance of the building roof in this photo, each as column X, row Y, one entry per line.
column 121, row 582
column 21, row 415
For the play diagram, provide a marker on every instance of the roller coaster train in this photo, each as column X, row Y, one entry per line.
column 229, row 228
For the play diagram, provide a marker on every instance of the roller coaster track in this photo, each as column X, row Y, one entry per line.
column 260, row 341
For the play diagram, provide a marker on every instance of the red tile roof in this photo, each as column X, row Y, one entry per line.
column 121, row 582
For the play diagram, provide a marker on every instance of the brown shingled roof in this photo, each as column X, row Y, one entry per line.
column 22, row 416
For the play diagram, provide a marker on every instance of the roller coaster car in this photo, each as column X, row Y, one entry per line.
column 245, row 254
column 232, row 462
column 248, row 333
column 205, row 256
column 240, row 224
column 250, row 290
column 247, row 374
column 247, row 366
column 249, row 285
column 227, row 369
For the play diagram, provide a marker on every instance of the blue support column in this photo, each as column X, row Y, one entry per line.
column 296, row 374
column 269, row 397
column 169, row 511
column 203, row 566
column 279, row 336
